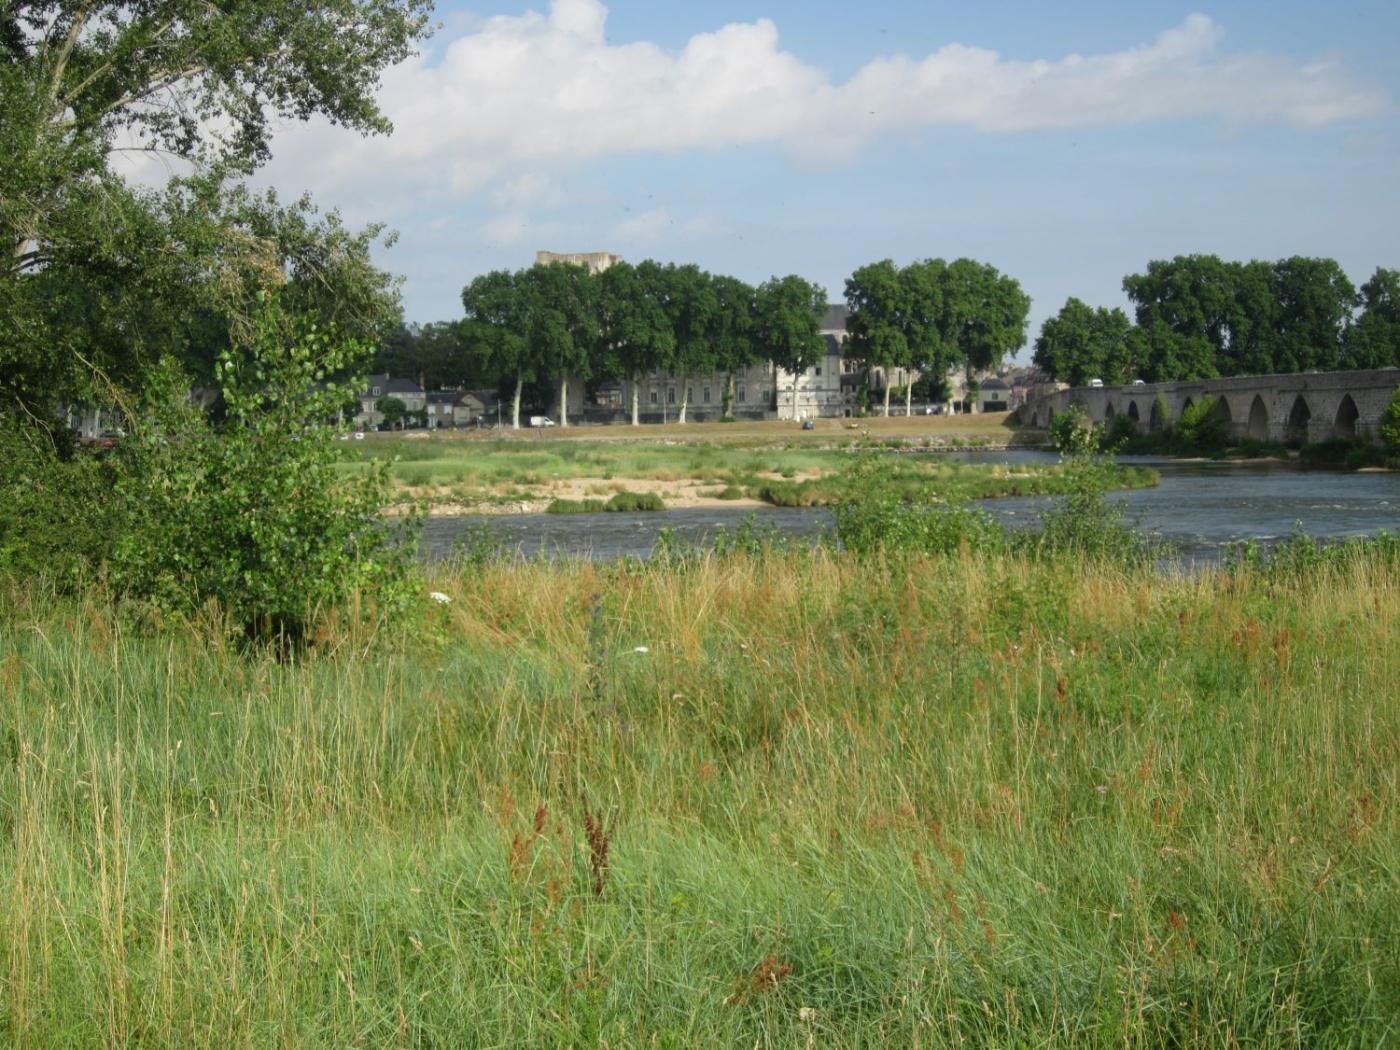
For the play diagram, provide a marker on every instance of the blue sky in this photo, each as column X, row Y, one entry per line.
column 760, row 138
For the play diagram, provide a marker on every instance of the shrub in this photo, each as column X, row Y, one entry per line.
column 1115, row 434
column 636, row 501
column 622, row 502
column 1071, row 432
column 575, row 506
column 251, row 512
column 1085, row 522
column 874, row 516
column 57, row 519
column 1344, row 453
column 1202, row 427
column 1390, row 422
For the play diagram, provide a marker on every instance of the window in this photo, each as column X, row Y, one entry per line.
column 671, row 396
column 741, row 393
column 819, row 369
column 375, row 392
column 689, row 394
column 706, row 395
column 654, row 397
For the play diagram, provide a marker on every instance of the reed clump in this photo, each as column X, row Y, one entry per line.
column 785, row 797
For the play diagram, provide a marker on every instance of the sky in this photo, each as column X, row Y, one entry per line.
column 1066, row 144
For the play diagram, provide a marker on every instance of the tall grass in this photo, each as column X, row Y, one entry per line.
column 796, row 800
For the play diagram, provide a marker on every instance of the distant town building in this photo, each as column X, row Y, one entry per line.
column 381, row 386
column 596, row 262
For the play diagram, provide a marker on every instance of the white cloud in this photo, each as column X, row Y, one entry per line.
column 508, row 228
column 648, row 226
column 514, row 98
column 527, row 189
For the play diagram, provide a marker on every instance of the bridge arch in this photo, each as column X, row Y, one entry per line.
column 1221, row 410
column 1344, row 425
column 1133, row 413
column 1186, row 405
column 1109, row 412
column 1298, row 417
column 1155, row 420
column 1258, row 419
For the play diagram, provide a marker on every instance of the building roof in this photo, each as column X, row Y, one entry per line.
column 995, row 384
column 834, row 320
column 388, row 385
column 445, row 397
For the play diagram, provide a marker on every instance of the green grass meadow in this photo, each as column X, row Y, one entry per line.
column 796, row 800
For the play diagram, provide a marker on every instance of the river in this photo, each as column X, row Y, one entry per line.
column 1199, row 508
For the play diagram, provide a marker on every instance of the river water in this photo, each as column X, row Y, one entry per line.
column 1199, row 508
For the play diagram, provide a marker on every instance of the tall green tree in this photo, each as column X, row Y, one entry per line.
column 929, row 348
column 693, row 307
column 432, row 354
column 787, row 325
column 1374, row 340
column 100, row 279
column 1315, row 301
column 197, row 81
column 1082, row 342
column 498, row 307
column 735, row 348
column 561, row 324
column 877, row 326
column 634, row 327
column 1184, row 306
column 984, row 314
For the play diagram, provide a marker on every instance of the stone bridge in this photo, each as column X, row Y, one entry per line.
column 1302, row 407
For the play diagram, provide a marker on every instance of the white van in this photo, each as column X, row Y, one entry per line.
column 541, row 421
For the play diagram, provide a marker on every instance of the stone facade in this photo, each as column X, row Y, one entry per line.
column 1301, row 407
column 596, row 262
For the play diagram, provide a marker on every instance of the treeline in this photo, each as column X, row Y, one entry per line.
column 932, row 315
column 1200, row 317
column 553, row 323
column 556, row 322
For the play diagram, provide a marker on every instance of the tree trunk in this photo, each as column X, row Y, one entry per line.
column 908, row 397
column 636, row 403
column 887, row 393
column 685, row 398
column 729, row 397
column 564, row 401
column 515, row 406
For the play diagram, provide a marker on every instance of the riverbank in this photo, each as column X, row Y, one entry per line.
column 798, row 799
column 452, row 475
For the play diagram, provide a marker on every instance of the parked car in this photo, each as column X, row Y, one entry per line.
column 541, row 421
column 1096, row 382
column 1138, row 382
column 106, row 439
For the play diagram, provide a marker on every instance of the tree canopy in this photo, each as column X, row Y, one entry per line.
column 100, row 277
column 1199, row 316
column 1082, row 343
column 928, row 315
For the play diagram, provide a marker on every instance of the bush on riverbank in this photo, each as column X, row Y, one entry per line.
column 624, row 502
column 1345, row 454
column 247, row 512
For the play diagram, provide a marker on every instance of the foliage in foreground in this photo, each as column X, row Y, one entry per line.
column 248, row 513
column 813, row 800
column 875, row 517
